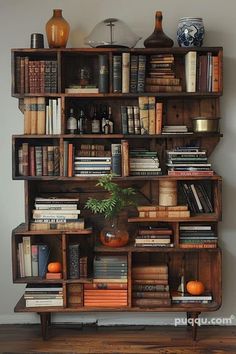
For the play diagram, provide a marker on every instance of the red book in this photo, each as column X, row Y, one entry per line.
column 70, row 160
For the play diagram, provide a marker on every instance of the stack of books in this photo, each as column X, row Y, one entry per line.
column 197, row 236
column 159, row 211
column 111, row 271
column 175, row 129
column 41, row 295
column 144, row 163
column 94, row 166
column 188, row 161
column 196, row 196
column 179, row 298
column 161, row 74
column 56, row 213
column 150, row 286
column 154, row 237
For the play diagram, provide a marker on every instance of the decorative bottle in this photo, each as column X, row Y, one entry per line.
column 158, row 39
column 71, row 122
column 57, row 30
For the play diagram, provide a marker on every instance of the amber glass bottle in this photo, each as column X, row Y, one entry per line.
column 57, row 30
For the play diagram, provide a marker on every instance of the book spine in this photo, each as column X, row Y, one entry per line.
column 74, row 256
column 33, row 112
column 116, row 74
column 130, row 115
column 141, row 73
column 124, row 119
column 133, row 73
column 125, row 72
column 32, row 161
column 27, row 256
column 190, row 71
column 125, row 158
column 143, row 112
column 27, row 115
column 103, row 73
column 34, row 260
column 116, row 159
column 151, row 302
column 41, row 118
column 43, row 257
column 151, row 115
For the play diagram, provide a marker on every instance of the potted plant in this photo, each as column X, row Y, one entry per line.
column 115, row 234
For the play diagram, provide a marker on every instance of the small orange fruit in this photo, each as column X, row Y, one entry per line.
column 195, row 287
column 54, row 267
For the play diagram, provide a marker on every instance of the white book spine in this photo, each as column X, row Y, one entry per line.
column 191, row 71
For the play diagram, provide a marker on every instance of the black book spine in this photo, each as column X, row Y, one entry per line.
column 141, row 73
column 103, row 73
column 116, row 159
column 133, row 73
column 116, row 73
column 124, row 119
column 74, row 261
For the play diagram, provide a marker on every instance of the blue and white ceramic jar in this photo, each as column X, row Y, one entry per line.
column 190, row 32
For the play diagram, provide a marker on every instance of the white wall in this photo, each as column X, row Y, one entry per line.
column 20, row 18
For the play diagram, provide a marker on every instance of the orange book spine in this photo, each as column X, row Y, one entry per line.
column 70, row 160
column 159, row 115
column 215, row 74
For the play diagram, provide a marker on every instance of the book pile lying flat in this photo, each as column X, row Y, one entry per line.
column 154, row 237
column 109, row 288
column 188, row 161
column 161, row 74
column 179, row 298
column 150, row 286
column 144, row 163
column 41, row 295
column 159, row 211
column 56, row 214
column 197, row 236
column 175, row 129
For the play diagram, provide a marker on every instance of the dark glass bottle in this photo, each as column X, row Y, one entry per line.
column 81, row 122
column 103, row 117
column 96, row 129
column 158, row 39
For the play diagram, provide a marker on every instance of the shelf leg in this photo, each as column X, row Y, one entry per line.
column 193, row 316
column 44, row 319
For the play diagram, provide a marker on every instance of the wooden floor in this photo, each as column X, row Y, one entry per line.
column 73, row 339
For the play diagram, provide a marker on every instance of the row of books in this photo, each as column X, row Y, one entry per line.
column 188, row 161
column 35, row 76
column 53, row 213
column 148, row 280
column 154, row 237
column 196, row 196
column 202, row 72
column 40, row 295
column 40, row 160
column 197, row 236
column 41, row 118
column 32, row 258
column 146, row 118
column 159, row 211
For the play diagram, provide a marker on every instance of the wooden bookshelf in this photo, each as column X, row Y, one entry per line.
column 178, row 109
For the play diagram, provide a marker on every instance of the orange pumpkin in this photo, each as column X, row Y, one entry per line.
column 195, row 287
column 54, row 267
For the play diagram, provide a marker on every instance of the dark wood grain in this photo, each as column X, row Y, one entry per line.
column 74, row 338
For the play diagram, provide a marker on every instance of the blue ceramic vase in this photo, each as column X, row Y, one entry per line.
column 190, row 32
